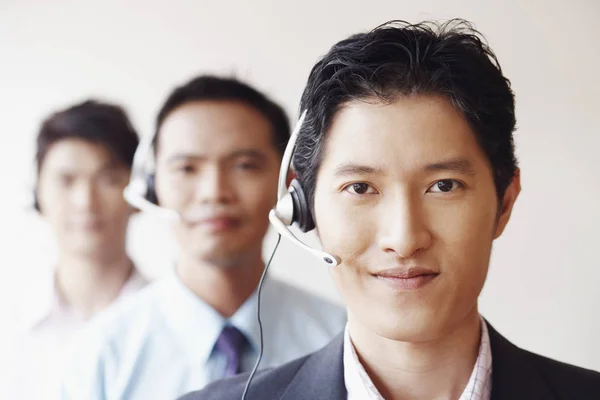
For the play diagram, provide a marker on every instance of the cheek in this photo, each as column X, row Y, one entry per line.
column 170, row 193
column 257, row 197
column 462, row 243
column 464, row 226
column 351, row 239
column 350, row 235
column 54, row 206
column 113, row 203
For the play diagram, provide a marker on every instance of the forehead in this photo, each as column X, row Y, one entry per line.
column 77, row 155
column 213, row 128
column 403, row 136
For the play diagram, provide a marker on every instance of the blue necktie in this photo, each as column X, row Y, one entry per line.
column 231, row 343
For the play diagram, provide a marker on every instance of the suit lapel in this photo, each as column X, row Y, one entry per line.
column 514, row 377
column 321, row 377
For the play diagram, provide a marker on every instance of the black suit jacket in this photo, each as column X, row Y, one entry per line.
column 516, row 375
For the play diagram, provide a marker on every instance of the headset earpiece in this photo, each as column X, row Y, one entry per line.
column 301, row 212
column 151, row 190
column 36, row 202
column 292, row 204
column 140, row 192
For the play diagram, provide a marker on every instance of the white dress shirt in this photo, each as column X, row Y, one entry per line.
column 160, row 344
column 42, row 329
column 360, row 387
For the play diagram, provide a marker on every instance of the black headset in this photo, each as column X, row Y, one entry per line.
column 151, row 189
column 36, row 202
column 141, row 190
column 301, row 215
column 292, row 204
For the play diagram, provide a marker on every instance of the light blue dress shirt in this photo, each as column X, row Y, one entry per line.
column 160, row 343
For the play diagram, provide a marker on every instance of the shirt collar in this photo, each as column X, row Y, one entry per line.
column 135, row 282
column 359, row 384
column 197, row 325
column 45, row 301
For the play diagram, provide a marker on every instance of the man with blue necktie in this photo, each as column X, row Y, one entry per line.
column 218, row 147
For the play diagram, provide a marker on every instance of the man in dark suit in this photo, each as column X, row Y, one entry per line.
column 406, row 164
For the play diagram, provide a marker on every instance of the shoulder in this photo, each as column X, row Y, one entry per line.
column 566, row 379
column 302, row 304
column 517, row 370
column 318, row 375
column 111, row 338
column 266, row 384
column 136, row 311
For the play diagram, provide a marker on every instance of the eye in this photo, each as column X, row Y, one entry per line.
column 186, row 169
column 445, row 186
column 109, row 179
column 248, row 166
column 360, row 188
column 67, row 180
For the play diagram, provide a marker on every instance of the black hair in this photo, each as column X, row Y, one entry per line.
column 402, row 59
column 93, row 121
column 208, row 87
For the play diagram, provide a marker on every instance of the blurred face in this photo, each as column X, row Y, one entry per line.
column 80, row 192
column 406, row 198
column 217, row 165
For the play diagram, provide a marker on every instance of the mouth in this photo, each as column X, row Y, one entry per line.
column 407, row 278
column 88, row 226
column 219, row 224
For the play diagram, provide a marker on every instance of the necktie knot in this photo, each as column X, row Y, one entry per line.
column 231, row 342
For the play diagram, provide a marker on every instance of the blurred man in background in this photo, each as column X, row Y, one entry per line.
column 84, row 156
column 218, row 150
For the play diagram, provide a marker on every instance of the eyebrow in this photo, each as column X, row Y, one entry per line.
column 253, row 153
column 184, row 157
column 70, row 170
column 355, row 169
column 457, row 165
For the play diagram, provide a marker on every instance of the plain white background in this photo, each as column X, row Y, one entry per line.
column 542, row 290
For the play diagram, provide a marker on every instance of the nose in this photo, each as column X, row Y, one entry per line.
column 404, row 229
column 83, row 197
column 214, row 186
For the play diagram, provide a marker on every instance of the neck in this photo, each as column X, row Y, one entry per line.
column 90, row 284
column 224, row 288
column 437, row 369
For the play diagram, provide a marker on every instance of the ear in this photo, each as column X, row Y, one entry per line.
column 290, row 177
column 510, row 196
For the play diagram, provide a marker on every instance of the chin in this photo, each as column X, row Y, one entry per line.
column 415, row 326
column 418, row 325
column 219, row 257
column 89, row 249
column 416, row 333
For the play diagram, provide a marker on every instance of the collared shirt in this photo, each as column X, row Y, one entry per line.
column 161, row 343
column 43, row 328
column 360, row 387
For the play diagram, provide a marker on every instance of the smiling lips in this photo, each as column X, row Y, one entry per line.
column 407, row 278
